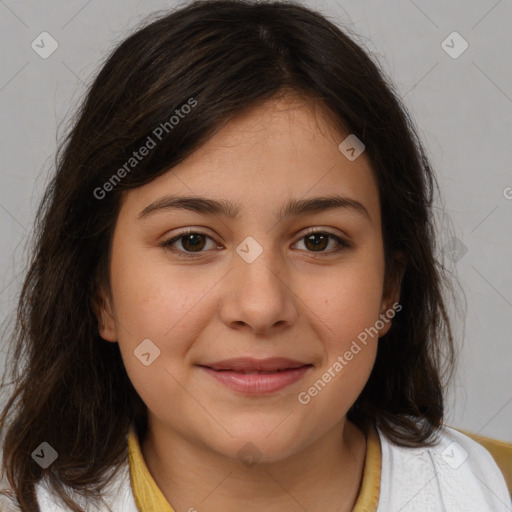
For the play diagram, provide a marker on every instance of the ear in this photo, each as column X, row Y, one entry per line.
column 102, row 308
column 391, row 294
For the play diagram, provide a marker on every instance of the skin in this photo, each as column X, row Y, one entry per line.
column 292, row 301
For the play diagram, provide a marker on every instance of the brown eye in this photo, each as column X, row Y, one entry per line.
column 191, row 242
column 318, row 241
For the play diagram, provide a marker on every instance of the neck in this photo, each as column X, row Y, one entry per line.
column 325, row 475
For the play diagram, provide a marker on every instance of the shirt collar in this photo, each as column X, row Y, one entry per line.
column 149, row 498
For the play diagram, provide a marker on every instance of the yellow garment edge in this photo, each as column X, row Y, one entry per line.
column 501, row 452
column 149, row 498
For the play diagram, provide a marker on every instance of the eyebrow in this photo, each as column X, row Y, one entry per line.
column 294, row 207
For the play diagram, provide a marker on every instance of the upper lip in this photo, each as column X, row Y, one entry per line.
column 251, row 364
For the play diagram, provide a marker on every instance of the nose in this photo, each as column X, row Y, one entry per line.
column 259, row 296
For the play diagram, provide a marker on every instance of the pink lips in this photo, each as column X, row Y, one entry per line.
column 257, row 376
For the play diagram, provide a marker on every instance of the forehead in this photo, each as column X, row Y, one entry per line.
column 280, row 126
column 283, row 149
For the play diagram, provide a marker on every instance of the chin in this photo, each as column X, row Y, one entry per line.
column 257, row 444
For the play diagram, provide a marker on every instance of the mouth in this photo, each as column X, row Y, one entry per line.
column 250, row 376
column 252, row 365
column 249, row 372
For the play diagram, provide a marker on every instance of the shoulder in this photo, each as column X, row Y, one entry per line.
column 455, row 474
column 117, row 496
column 8, row 501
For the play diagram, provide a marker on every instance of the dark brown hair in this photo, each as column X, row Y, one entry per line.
column 70, row 386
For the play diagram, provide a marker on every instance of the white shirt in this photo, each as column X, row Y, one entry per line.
column 456, row 475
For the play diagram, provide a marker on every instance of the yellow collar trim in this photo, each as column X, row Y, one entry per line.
column 368, row 497
column 149, row 498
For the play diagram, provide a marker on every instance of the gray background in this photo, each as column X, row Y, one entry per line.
column 462, row 107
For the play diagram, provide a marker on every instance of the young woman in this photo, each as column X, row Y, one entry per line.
column 233, row 302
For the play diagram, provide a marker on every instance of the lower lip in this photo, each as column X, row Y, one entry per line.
column 257, row 383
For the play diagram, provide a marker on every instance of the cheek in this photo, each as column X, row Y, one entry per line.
column 347, row 304
column 168, row 307
column 346, row 318
column 346, row 300
column 153, row 298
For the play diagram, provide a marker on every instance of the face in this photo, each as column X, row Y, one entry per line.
column 268, row 282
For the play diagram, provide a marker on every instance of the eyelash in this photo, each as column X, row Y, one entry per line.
column 167, row 244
